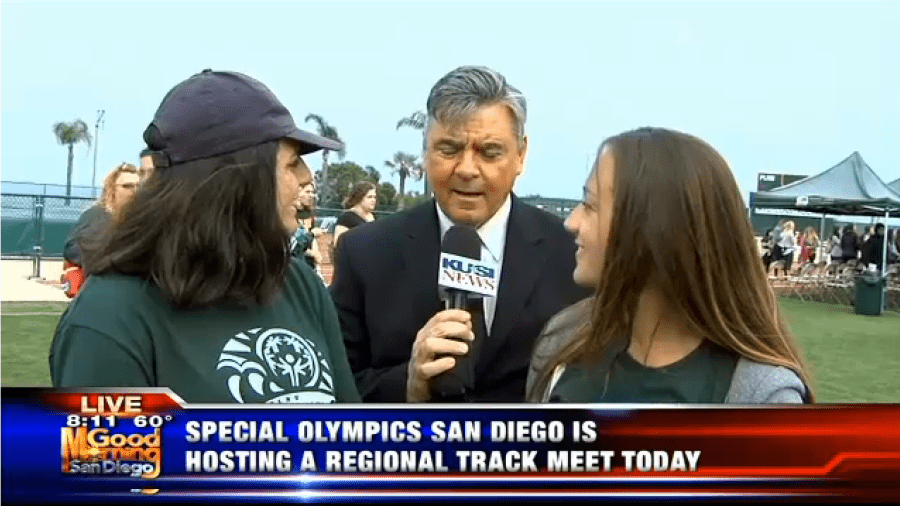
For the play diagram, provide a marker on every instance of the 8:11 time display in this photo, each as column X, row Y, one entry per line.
column 86, row 421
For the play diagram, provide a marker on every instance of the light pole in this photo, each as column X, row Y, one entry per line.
column 97, row 125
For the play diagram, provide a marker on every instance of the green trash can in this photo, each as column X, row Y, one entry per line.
column 869, row 294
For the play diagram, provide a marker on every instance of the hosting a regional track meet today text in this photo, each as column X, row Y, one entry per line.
column 347, row 431
column 93, row 442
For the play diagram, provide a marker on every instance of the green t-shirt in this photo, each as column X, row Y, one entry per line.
column 703, row 376
column 122, row 331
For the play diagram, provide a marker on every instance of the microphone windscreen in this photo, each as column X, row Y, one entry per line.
column 462, row 241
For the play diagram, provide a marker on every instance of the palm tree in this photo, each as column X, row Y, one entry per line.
column 327, row 131
column 417, row 121
column 405, row 165
column 373, row 173
column 70, row 134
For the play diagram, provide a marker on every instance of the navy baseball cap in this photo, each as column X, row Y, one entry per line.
column 213, row 113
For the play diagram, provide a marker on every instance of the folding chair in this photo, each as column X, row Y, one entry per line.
column 892, row 289
column 826, row 274
column 845, row 284
column 777, row 278
column 804, row 285
column 814, row 280
column 832, row 284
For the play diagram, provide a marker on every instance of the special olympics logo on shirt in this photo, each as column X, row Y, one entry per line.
column 275, row 366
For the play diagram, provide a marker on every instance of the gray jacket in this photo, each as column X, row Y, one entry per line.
column 752, row 382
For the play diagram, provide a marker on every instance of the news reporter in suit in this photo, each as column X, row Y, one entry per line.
column 194, row 288
column 673, row 319
column 385, row 289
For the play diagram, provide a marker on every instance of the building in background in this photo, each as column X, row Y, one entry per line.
column 764, row 219
column 559, row 207
column 767, row 181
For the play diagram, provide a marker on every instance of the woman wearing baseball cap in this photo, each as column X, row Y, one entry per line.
column 193, row 288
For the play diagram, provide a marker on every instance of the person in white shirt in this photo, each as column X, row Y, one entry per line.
column 788, row 243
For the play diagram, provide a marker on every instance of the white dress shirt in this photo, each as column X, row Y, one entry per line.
column 493, row 242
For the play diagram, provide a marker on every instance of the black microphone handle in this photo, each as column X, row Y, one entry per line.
column 453, row 385
column 457, row 299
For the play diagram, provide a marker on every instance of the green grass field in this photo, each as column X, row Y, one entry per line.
column 853, row 358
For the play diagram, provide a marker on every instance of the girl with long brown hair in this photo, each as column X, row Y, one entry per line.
column 809, row 243
column 682, row 310
column 360, row 205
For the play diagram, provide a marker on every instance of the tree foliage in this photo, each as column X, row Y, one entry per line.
column 343, row 176
column 69, row 134
column 405, row 165
column 373, row 173
column 413, row 199
column 72, row 132
column 326, row 130
column 387, row 197
column 415, row 120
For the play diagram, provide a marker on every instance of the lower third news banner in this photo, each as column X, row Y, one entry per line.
column 130, row 446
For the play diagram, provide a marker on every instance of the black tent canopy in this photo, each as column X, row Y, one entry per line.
column 849, row 188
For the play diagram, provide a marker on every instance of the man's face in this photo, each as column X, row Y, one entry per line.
column 473, row 166
column 146, row 168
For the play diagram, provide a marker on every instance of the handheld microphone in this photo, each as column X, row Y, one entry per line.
column 463, row 279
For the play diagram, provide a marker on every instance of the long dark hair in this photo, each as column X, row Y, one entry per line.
column 675, row 198
column 205, row 231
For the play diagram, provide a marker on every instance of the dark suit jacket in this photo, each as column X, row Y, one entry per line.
column 385, row 290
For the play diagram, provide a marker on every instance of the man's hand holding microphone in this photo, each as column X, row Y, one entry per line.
column 447, row 335
column 441, row 365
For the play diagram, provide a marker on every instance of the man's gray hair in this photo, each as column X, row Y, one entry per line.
column 468, row 88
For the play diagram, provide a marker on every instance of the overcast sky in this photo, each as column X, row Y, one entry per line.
column 786, row 87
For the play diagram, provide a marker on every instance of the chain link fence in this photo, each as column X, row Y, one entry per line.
column 28, row 188
column 38, row 221
column 36, row 225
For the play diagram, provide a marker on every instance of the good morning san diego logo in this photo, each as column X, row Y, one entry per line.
column 93, row 444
